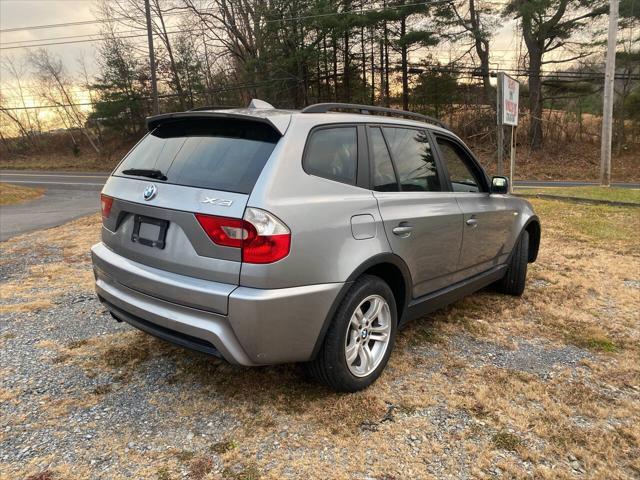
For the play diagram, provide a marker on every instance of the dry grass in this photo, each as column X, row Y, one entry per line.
column 562, row 161
column 46, row 281
column 580, row 292
column 11, row 194
column 86, row 162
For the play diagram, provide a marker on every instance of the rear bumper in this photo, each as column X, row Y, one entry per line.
column 246, row 326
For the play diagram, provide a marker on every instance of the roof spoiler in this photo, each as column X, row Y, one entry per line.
column 278, row 123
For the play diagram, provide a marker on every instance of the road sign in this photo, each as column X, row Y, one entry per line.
column 508, row 91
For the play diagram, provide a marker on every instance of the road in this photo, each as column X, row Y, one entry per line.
column 71, row 195
column 67, row 196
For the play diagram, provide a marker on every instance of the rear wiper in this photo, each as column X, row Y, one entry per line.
column 146, row 172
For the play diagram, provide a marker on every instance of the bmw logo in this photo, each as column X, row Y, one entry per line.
column 150, row 191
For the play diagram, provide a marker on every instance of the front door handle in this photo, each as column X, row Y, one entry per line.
column 472, row 222
column 403, row 230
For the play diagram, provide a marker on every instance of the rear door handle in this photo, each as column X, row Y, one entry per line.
column 472, row 222
column 403, row 230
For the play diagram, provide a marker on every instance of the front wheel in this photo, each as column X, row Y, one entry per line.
column 360, row 338
column 515, row 278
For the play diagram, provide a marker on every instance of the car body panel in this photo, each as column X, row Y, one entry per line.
column 486, row 238
column 432, row 248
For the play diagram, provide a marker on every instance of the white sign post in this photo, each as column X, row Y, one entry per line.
column 508, row 93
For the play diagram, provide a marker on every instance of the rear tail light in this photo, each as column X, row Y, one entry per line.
column 106, row 203
column 262, row 237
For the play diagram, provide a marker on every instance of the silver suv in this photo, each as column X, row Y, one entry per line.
column 269, row 236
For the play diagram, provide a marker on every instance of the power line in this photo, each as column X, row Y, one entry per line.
column 91, row 40
column 302, row 17
column 166, row 95
column 66, row 37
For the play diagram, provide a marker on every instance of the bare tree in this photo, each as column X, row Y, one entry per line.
column 55, row 88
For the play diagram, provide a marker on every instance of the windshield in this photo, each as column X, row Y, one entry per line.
column 218, row 154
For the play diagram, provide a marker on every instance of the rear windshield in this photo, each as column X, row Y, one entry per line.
column 220, row 154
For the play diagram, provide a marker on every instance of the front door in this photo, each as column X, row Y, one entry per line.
column 422, row 222
column 487, row 220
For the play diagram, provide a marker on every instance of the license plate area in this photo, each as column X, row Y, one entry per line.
column 148, row 231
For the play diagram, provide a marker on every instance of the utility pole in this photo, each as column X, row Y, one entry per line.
column 499, row 105
column 152, row 60
column 607, row 110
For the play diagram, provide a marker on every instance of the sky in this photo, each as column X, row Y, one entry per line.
column 26, row 13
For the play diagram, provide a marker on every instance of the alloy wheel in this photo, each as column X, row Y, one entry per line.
column 368, row 335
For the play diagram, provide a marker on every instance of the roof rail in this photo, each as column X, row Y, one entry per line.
column 366, row 109
column 211, row 107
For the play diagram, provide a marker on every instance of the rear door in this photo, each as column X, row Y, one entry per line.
column 487, row 221
column 422, row 221
column 199, row 167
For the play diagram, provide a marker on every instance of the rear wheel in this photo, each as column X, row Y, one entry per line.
column 514, row 280
column 360, row 338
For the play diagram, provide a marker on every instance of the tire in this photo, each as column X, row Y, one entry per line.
column 330, row 365
column 515, row 278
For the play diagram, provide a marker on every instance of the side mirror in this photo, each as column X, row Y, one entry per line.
column 499, row 185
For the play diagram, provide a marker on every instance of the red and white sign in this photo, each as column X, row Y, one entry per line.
column 508, row 91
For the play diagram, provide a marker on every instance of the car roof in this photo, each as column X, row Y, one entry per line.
column 281, row 118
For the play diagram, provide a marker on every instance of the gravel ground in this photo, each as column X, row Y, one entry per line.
column 540, row 358
column 82, row 396
column 127, row 411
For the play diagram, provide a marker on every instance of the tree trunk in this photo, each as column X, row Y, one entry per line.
column 373, row 68
column 386, row 64
column 364, row 65
column 335, row 68
column 327, row 80
column 404, row 66
column 535, row 99
column 172, row 62
column 346, row 66
column 482, row 50
column 382, row 84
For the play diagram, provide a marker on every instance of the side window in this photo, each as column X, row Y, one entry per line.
column 413, row 158
column 384, row 178
column 463, row 179
column 333, row 153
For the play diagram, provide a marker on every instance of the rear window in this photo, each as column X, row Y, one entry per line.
column 216, row 154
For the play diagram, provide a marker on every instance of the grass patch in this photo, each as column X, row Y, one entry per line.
column 592, row 341
column 12, row 194
column 506, row 441
column 224, row 447
column 45, row 475
column 61, row 358
column 249, row 472
column 164, row 474
column 200, row 467
column 601, row 224
column 77, row 344
column 118, row 356
column 185, row 456
column 102, row 389
column 611, row 194
column 425, row 334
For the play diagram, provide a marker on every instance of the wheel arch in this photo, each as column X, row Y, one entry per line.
column 533, row 228
column 387, row 266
